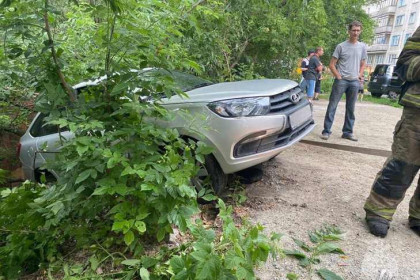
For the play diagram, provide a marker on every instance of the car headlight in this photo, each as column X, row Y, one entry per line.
column 241, row 107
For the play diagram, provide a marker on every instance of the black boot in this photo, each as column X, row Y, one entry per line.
column 378, row 226
column 414, row 225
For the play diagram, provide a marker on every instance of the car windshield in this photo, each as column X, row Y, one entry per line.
column 188, row 82
column 185, row 82
column 380, row 70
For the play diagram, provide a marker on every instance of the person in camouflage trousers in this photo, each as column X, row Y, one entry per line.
column 401, row 167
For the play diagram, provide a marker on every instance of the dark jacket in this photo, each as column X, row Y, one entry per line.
column 408, row 68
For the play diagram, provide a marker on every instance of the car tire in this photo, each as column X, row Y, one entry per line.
column 211, row 173
column 392, row 95
column 376, row 94
column 43, row 176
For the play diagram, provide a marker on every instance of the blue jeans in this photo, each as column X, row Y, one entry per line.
column 339, row 87
column 311, row 88
column 303, row 85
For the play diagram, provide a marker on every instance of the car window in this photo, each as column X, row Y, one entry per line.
column 189, row 82
column 390, row 70
column 380, row 70
column 40, row 128
column 185, row 82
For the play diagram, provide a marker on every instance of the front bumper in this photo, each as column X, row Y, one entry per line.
column 231, row 138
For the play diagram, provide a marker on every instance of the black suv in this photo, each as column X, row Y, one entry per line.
column 384, row 81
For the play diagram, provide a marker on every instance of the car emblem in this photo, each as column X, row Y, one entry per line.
column 295, row 97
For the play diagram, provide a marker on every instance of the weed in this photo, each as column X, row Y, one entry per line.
column 323, row 241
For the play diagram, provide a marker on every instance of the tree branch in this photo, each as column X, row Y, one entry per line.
column 241, row 51
column 63, row 82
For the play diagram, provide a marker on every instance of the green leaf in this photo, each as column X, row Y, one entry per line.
column 209, row 197
column 276, row 236
column 314, row 238
column 94, row 262
column 140, row 226
column 292, row 276
column 329, row 247
column 131, row 262
column 177, row 264
column 5, row 193
column 119, row 88
column 129, row 237
column 120, row 189
column 302, row 245
column 208, row 269
column 199, row 158
column 81, row 149
column 128, row 171
column 304, row 262
column 56, row 206
column 123, row 226
column 295, row 253
column 328, row 274
column 161, row 234
column 83, row 176
column 101, row 191
column 245, row 273
column 144, row 274
column 233, row 261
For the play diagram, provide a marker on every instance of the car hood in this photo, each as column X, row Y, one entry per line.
column 230, row 90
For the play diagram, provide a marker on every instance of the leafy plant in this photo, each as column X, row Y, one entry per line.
column 324, row 243
column 228, row 252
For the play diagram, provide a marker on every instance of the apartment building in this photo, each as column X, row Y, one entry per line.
column 396, row 21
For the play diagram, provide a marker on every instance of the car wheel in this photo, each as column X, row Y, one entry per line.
column 211, row 175
column 376, row 94
column 392, row 95
column 44, row 177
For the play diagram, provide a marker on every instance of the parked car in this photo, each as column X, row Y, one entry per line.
column 251, row 122
column 383, row 80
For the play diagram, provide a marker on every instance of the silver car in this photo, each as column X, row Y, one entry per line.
column 246, row 123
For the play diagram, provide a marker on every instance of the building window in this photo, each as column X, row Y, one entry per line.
column 392, row 59
column 401, row 3
column 380, row 40
column 370, row 59
column 399, row 20
column 407, row 35
column 380, row 59
column 395, row 40
column 412, row 18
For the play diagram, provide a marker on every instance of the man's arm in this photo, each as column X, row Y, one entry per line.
column 362, row 70
column 319, row 68
column 334, row 70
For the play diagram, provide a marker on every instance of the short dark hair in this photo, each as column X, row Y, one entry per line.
column 310, row 51
column 355, row 23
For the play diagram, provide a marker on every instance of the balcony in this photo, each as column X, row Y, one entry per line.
column 387, row 29
column 387, row 10
column 378, row 48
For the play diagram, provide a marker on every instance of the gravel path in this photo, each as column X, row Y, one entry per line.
column 307, row 186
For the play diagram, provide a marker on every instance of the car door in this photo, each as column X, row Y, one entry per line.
column 47, row 141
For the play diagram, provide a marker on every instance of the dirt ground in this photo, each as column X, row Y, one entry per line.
column 308, row 186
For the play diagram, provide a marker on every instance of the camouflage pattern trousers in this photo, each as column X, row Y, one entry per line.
column 398, row 172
